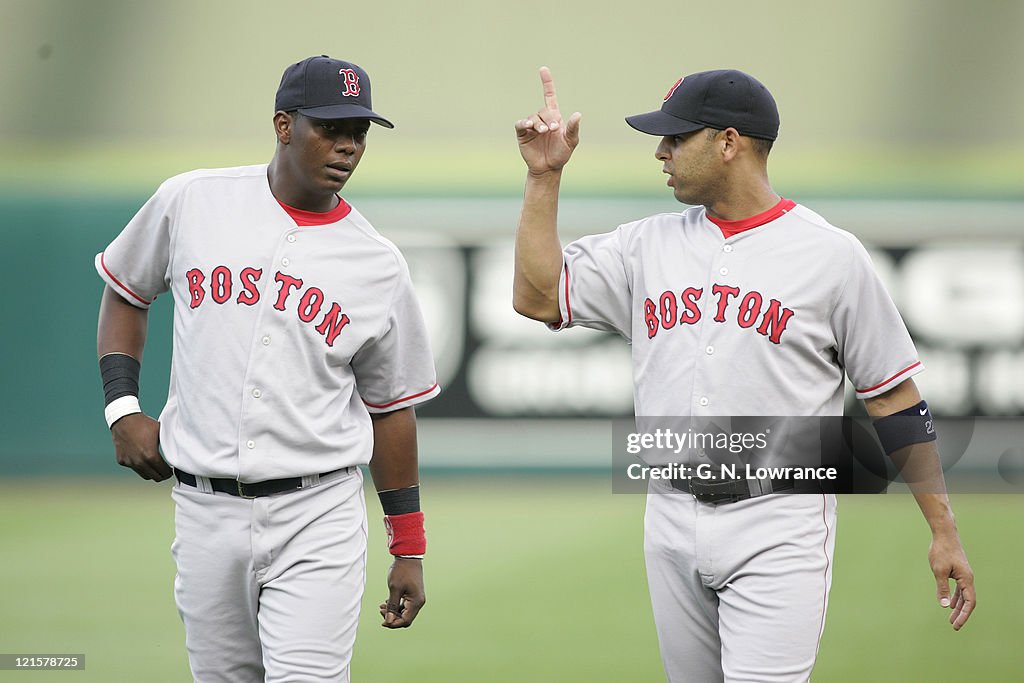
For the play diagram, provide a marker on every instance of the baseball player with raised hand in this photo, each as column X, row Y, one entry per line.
column 299, row 354
column 745, row 304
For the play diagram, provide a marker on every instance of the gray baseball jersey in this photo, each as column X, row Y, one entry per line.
column 285, row 337
column 762, row 323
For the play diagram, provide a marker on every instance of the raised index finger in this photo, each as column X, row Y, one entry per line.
column 548, row 83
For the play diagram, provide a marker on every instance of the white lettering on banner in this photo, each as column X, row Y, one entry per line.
column 597, row 378
column 963, row 296
column 492, row 318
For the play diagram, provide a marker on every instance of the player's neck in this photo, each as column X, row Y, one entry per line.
column 288, row 192
column 743, row 201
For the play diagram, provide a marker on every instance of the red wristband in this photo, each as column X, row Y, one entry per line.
column 405, row 534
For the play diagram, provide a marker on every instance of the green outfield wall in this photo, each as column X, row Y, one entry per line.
column 552, row 397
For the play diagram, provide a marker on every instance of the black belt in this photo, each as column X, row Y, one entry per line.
column 255, row 490
column 725, row 491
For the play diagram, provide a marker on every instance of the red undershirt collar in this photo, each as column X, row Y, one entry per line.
column 307, row 218
column 730, row 228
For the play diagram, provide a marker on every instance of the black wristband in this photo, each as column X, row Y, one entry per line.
column 120, row 373
column 905, row 428
column 400, row 501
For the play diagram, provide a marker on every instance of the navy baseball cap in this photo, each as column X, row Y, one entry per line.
column 720, row 99
column 325, row 88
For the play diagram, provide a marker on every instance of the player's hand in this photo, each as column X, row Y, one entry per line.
column 406, row 596
column 137, row 445
column 948, row 561
column 545, row 141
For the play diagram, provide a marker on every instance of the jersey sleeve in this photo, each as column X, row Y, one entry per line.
column 872, row 341
column 135, row 264
column 594, row 290
column 396, row 370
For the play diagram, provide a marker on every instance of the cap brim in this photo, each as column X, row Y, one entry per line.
column 660, row 123
column 344, row 111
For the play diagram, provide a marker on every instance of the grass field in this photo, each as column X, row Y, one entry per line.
column 528, row 579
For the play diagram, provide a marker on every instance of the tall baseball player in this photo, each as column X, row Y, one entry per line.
column 745, row 304
column 299, row 353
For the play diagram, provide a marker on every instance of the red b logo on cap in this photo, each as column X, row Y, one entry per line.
column 351, row 82
column 673, row 88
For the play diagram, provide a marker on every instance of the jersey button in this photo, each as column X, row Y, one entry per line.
column 266, row 341
column 703, row 401
column 250, row 444
column 727, row 249
column 709, row 350
column 285, row 262
column 722, row 271
column 290, row 238
column 256, row 393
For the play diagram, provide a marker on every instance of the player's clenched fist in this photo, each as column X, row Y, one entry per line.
column 136, row 443
column 545, row 141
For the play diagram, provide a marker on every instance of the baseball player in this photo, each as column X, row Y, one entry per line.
column 745, row 304
column 299, row 354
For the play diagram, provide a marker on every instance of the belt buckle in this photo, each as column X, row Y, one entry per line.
column 704, row 497
column 705, row 492
column 241, row 491
column 713, row 498
column 701, row 490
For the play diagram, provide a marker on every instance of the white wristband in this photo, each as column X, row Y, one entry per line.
column 119, row 407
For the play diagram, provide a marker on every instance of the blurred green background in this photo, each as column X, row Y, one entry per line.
column 532, row 576
column 920, row 96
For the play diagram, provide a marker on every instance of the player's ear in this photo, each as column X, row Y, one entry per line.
column 283, row 124
column 730, row 141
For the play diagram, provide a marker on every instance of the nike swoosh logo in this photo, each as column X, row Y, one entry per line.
column 923, row 411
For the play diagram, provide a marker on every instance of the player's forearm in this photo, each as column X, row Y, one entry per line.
column 395, row 461
column 538, row 256
column 919, row 464
column 921, row 469
column 121, row 327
